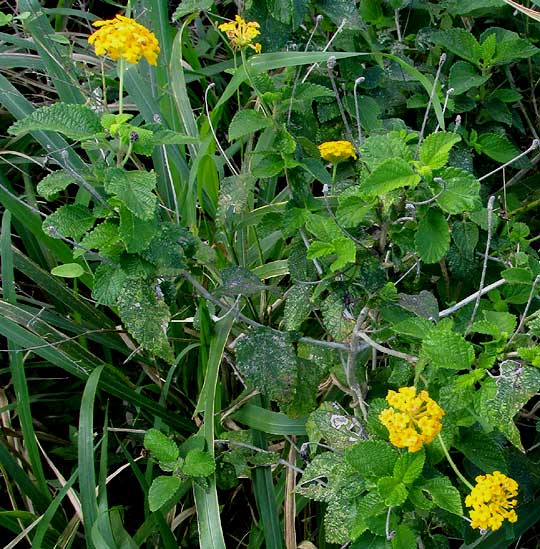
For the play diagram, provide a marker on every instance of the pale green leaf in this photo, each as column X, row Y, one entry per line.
column 432, row 238
column 447, row 349
column 391, row 174
column 163, row 488
column 247, row 122
column 461, row 191
column 134, row 189
column 72, row 220
column 444, row 494
column 392, row 491
column 199, row 464
column 436, row 147
column 161, row 447
column 71, row 120
column 68, row 270
column 378, row 148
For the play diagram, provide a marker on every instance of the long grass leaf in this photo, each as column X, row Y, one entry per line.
column 273, row 423
column 206, row 501
column 87, row 476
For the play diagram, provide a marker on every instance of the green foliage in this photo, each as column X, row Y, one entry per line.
column 432, row 237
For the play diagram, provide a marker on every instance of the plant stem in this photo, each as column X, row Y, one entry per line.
column 453, row 465
column 121, row 70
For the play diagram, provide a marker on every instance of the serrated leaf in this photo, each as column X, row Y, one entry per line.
column 409, row 466
column 444, row 494
column 447, row 349
column 199, row 464
column 345, row 250
column 413, row 327
column 423, row 304
column 516, row 385
column 308, row 91
column 160, row 446
column 465, row 235
column 353, row 207
column 432, row 238
column 391, row 174
column 297, row 306
column 464, row 76
column 187, row 7
column 338, row 519
column 378, row 148
column 320, row 249
column 338, row 325
column 145, row 315
column 461, row 191
column 135, row 233
column 501, row 149
column 239, row 280
column 436, row 147
column 103, row 235
column 134, row 189
column 461, row 42
column 517, row 275
column 510, row 51
column 247, row 122
column 267, row 360
column 72, row 220
column 73, row 121
column 314, row 483
column 68, row 270
column 372, row 458
column 163, row 488
column 392, row 490
column 165, row 251
column 483, row 450
column 323, row 228
column 108, row 283
column 53, row 183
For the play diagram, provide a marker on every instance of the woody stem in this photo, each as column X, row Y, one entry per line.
column 453, row 465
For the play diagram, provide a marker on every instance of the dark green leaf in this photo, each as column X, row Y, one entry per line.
column 247, row 122
column 134, row 189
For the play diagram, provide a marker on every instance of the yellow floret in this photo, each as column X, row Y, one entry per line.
column 412, row 420
column 124, row 38
column 336, row 151
column 492, row 501
column 241, row 33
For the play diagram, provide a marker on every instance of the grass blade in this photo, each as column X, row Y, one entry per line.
column 270, row 422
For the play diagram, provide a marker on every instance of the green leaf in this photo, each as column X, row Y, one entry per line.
column 134, row 189
column 331, row 423
column 436, row 147
column 509, row 51
column 267, row 360
column 447, row 349
column 135, row 233
column 239, row 280
column 516, row 385
column 199, row 464
column 432, row 238
column 353, row 207
column 73, row 121
column 187, row 7
column 247, row 122
column 108, row 283
column 345, row 250
column 391, row 174
column 160, row 446
column 378, row 148
column 266, row 421
column 461, row 192
column 145, row 315
column 413, row 327
column 405, row 538
column 464, row 76
column 423, row 304
column 53, row 183
column 517, row 275
column 444, row 494
column 461, row 42
column 501, row 149
column 234, row 195
column 165, row 250
column 297, row 306
column 104, row 235
column 323, row 228
column 392, row 490
column 465, row 235
column 163, row 488
column 68, row 270
column 72, row 220
column 372, row 458
column 409, row 466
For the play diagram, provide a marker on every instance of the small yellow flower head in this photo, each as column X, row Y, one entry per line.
column 412, row 420
column 336, row 151
column 241, row 33
column 123, row 37
column 492, row 501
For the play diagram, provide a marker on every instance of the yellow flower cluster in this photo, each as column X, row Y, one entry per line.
column 123, row 37
column 241, row 33
column 491, row 501
column 336, row 151
column 412, row 420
